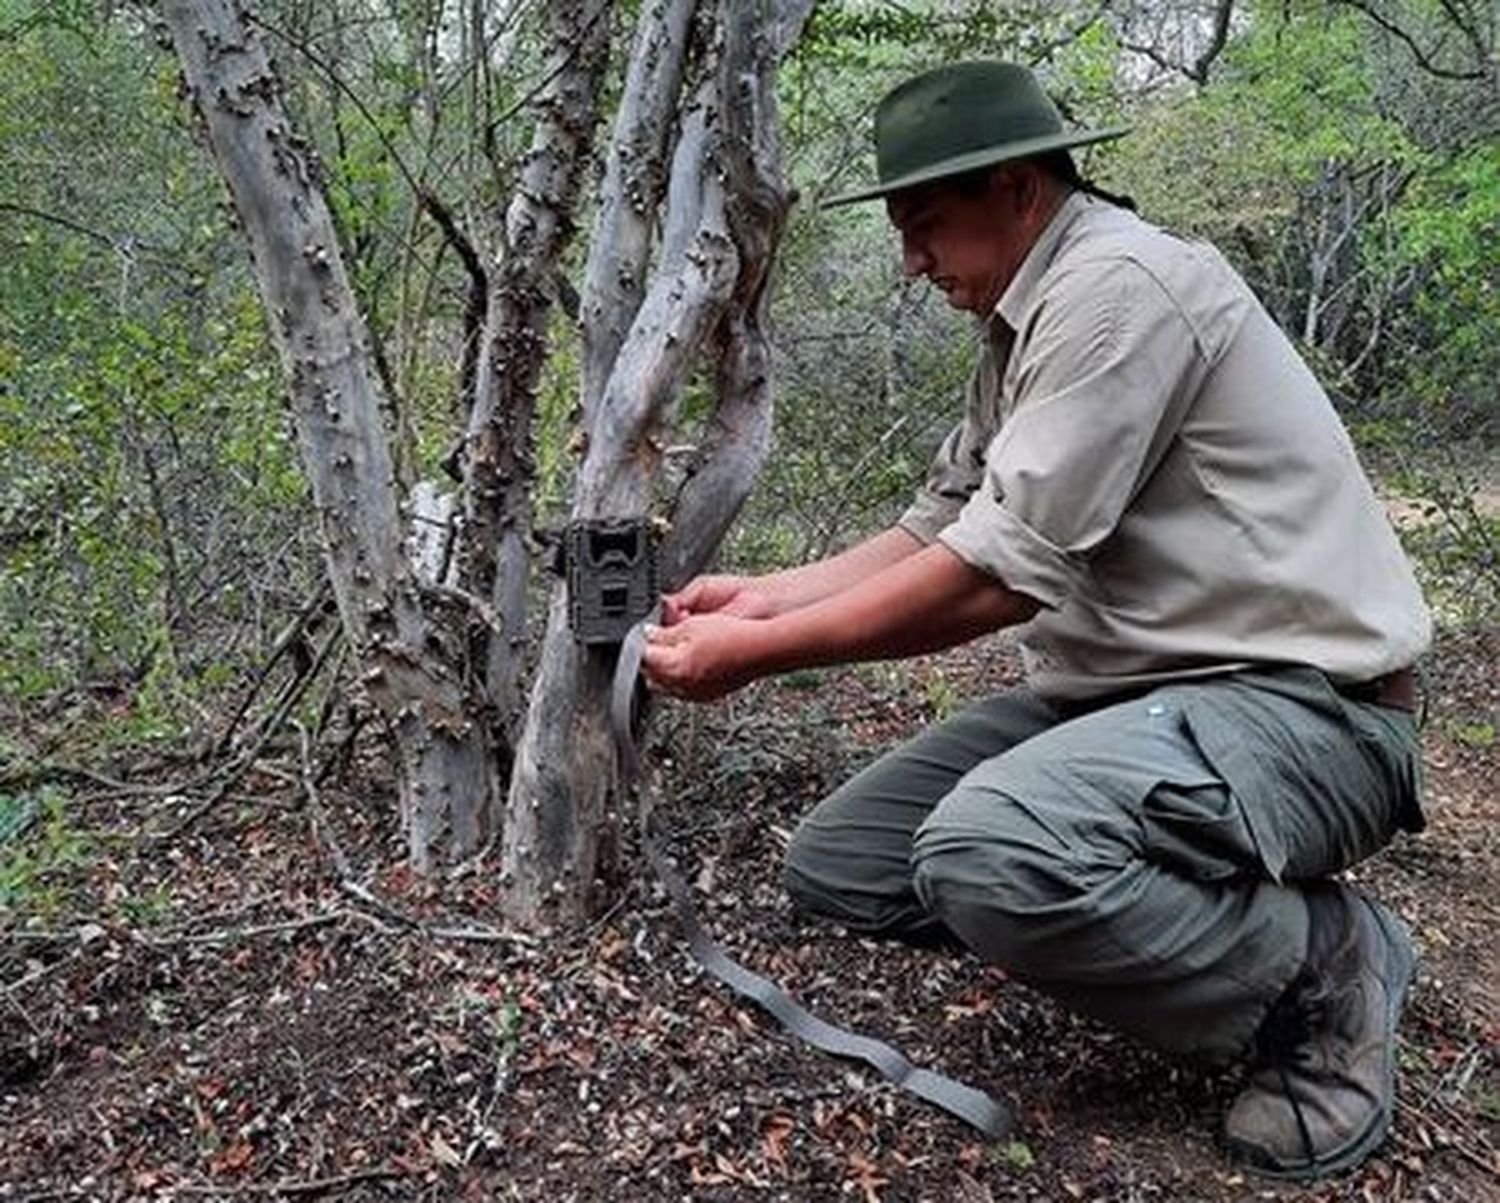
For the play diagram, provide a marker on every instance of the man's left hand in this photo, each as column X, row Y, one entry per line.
column 700, row 658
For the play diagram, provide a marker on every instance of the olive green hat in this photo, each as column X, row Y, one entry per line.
column 961, row 117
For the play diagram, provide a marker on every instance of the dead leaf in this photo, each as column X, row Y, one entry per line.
column 444, row 1153
column 234, row 1159
column 778, row 1128
column 971, row 1190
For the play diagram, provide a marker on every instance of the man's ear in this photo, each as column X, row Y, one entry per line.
column 1030, row 187
column 1036, row 189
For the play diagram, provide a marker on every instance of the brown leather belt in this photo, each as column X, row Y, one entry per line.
column 1396, row 690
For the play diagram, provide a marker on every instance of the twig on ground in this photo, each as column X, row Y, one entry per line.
column 223, row 934
column 1486, row 1157
column 228, row 912
column 476, row 934
column 37, row 975
column 350, row 884
column 306, row 1186
column 23, row 1013
column 273, row 724
column 38, row 937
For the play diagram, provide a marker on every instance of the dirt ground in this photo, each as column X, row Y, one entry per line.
column 215, row 1015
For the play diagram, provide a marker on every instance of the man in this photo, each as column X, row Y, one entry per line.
column 1217, row 623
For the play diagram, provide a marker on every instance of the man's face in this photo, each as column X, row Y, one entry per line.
column 969, row 243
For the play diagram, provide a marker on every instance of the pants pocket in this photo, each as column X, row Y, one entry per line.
column 1312, row 796
column 1205, row 832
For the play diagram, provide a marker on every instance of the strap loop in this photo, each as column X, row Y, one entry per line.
column 972, row 1106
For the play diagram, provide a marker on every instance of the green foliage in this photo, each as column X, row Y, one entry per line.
column 37, row 843
column 1477, row 733
column 1018, row 1156
column 142, row 446
column 1454, row 534
column 1293, row 94
column 154, row 524
column 1446, row 230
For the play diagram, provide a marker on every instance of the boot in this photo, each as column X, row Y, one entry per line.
column 1322, row 1092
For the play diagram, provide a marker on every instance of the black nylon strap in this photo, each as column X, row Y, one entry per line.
column 972, row 1106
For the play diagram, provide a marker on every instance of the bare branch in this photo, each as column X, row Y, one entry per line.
column 634, row 177
column 1423, row 58
column 498, row 461
column 476, row 305
column 1222, row 15
column 307, row 52
column 293, row 1187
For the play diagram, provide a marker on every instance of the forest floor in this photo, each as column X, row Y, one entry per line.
column 225, row 1013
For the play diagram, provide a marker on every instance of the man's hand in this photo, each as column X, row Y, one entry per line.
column 723, row 632
column 698, row 657
column 732, row 596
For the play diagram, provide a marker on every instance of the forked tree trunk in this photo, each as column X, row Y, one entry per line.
column 720, row 216
column 718, row 208
column 407, row 656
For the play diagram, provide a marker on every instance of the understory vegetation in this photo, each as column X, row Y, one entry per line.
column 155, row 536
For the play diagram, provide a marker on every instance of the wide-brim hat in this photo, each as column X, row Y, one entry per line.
column 962, row 117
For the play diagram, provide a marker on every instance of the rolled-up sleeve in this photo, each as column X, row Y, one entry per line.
column 1105, row 368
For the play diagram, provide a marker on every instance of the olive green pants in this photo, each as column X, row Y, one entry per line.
column 1141, row 861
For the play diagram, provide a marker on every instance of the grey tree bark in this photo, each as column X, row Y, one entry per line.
column 720, row 210
column 499, row 464
column 408, row 659
column 691, row 209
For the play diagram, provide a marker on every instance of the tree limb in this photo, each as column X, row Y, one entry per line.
column 1423, row 58
column 1222, row 16
column 476, row 304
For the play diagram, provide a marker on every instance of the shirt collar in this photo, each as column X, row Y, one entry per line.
column 1016, row 298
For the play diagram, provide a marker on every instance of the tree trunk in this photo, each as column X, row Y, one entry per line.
column 406, row 655
column 499, row 464
column 724, row 204
column 439, row 654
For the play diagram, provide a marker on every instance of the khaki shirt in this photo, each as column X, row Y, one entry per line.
column 1145, row 454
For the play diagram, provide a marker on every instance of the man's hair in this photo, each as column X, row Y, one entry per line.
column 1059, row 164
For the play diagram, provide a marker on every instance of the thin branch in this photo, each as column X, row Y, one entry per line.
column 289, row 698
column 124, row 247
column 36, row 975
column 476, row 306
column 306, row 1186
column 66, row 223
column 1222, row 16
column 293, row 635
column 542, row 84
column 349, row 883
column 221, row 935
column 334, row 78
column 1424, row 59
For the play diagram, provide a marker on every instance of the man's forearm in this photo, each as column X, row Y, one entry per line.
column 795, row 588
column 924, row 601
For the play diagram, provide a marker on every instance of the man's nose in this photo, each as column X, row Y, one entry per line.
column 914, row 259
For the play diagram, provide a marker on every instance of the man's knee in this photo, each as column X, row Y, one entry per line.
column 865, row 888
column 804, row 870
column 997, row 874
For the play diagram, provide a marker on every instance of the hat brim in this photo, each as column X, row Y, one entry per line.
column 989, row 156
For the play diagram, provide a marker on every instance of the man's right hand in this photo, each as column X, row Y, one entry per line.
column 731, row 596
